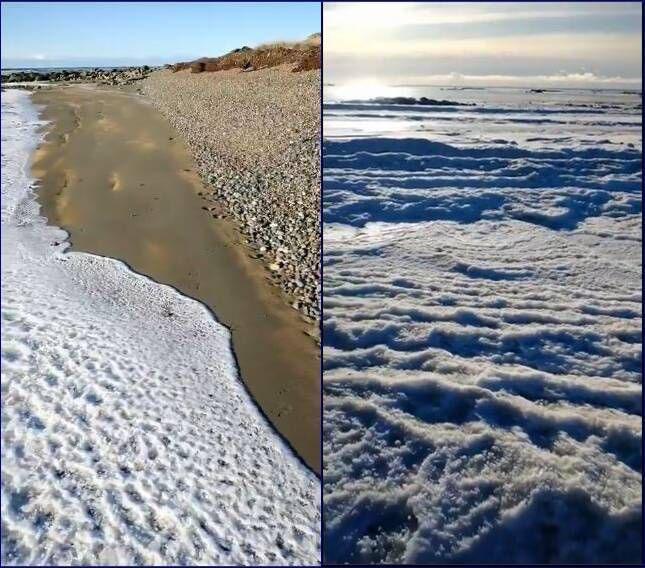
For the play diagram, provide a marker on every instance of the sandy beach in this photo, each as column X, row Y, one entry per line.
column 120, row 179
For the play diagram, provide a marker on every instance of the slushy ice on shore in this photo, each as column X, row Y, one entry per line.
column 127, row 436
column 482, row 327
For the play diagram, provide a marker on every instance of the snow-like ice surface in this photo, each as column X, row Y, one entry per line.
column 126, row 434
column 482, row 329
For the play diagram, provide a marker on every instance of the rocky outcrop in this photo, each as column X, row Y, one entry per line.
column 303, row 56
column 116, row 76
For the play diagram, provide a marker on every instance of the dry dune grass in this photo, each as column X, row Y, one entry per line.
column 312, row 40
column 303, row 55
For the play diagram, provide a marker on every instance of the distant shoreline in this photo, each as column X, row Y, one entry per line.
column 6, row 70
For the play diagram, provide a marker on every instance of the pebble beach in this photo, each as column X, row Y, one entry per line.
column 254, row 137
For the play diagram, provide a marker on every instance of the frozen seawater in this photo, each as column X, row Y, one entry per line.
column 482, row 331
column 127, row 437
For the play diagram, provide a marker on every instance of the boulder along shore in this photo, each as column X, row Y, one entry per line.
column 114, row 76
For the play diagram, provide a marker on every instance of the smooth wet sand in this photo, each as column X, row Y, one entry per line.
column 116, row 176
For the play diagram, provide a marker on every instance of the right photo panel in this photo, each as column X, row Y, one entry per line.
column 482, row 288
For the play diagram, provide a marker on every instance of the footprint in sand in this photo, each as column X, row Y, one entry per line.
column 115, row 182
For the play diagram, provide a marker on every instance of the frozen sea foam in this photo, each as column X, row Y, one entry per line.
column 127, row 437
column 482, row 331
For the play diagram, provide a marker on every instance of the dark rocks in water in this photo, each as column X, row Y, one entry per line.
column 20, row 77
column 423, row 101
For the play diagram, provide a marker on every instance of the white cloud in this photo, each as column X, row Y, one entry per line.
column 562, row 80
column 396, row 14
column 365, row 31
column 591, row 46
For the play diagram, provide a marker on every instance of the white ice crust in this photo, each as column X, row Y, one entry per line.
column 482, row 331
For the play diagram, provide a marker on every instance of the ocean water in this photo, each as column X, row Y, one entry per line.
column 127, row 437
column 10, row 70
column 482, row 326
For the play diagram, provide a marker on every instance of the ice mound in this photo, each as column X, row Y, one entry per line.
column 127, row 437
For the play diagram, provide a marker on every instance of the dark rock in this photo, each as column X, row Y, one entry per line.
column 423, row 101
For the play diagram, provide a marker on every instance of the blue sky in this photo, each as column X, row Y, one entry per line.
column 51, row 34
column 567, row 44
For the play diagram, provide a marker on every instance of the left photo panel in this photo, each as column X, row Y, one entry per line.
column 161, row 398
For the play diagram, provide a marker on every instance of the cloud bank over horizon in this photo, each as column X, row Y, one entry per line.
column 535, row 44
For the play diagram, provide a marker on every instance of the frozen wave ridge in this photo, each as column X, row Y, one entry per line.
column 127, row 437
column 406, row 180
column 482, row 348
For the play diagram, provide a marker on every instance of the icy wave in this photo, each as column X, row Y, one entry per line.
column 602, row 120
column 400, row 106
column 517, row 119
column 414, row 179
column 127, row 437
column 482, row 351
column 420, row 147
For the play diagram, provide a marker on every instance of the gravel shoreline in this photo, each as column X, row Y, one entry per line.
column 255, row 139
